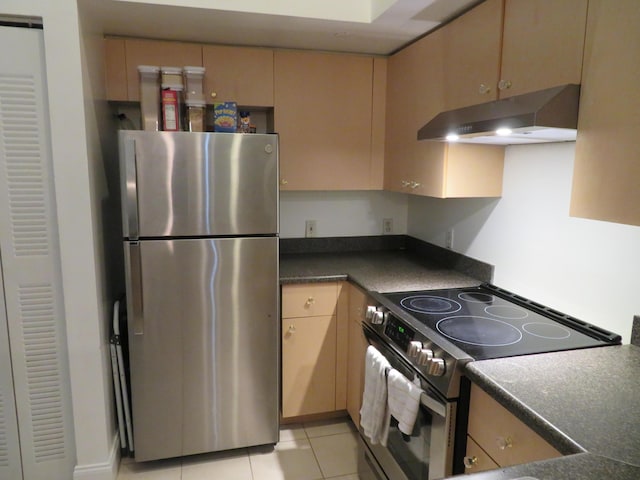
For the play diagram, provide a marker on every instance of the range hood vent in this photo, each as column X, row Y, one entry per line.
column 544, row 116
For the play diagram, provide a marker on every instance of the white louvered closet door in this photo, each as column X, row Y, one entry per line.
column 31, row 268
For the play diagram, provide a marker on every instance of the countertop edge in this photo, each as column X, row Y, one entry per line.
column 556, row 438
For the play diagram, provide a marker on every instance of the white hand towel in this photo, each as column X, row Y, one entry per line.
column 374, row 399
column 403, row 400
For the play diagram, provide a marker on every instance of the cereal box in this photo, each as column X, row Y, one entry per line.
column 225, row 117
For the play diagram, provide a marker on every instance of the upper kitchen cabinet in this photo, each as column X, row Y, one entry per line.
column 503, row 48
column 156, row 52
column 324, row 106
column 606, row 175
column 542, row 45
column 238, row 74
column 115, row 67
column 471, row 62
column 415, row 88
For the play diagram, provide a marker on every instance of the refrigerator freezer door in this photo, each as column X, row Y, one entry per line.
column 205, row 367
column 184, row 184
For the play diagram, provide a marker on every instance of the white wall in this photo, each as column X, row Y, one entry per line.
column 74, row 179
column 585, row 268
column 341, row 214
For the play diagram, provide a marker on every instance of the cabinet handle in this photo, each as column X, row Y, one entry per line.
column 504, row 84
column 504, row 442
column 284, row 182
column 310, row 301
column 470, row 462
column 214, row 94
column 484, row 89
column 292, row 329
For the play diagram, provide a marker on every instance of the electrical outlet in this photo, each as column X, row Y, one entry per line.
column 310, row 228
column 448, row 240
column 387, row 226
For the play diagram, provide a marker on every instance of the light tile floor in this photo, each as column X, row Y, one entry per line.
column 312, row 451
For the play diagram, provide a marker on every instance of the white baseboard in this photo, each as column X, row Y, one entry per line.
column 101, row 471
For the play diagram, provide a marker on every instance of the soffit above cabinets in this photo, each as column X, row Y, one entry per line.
column 371, row 27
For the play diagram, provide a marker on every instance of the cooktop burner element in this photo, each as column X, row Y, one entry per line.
column 430, row 304
column 482, row 331
column 489, row 322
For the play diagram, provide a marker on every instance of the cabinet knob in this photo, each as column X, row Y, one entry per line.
column 414, row 185
column 470, row 461
column 214, row 94
column 284, row 182
column 292, row 329
column 310, row 301
column 504, row 442
column 504, row 84
column 484, row 89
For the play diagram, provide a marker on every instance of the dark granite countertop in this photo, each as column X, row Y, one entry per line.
column 396, row 271
column 579, row 401
column 584, row 466
column 379, row 264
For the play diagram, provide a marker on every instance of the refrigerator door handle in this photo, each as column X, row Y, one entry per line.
column 135, row 259
column 131, row 188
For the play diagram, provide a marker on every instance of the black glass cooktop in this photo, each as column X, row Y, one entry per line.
column 489, row 322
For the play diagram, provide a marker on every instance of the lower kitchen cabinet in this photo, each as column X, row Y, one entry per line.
column 501, row 436
column 356, row 353
column 314, row 348
column 476, row 459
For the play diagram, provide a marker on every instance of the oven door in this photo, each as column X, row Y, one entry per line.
column 425, row 454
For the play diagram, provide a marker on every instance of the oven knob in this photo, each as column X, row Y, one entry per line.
column 378, row 317
column 414, row 348
column 370, row 311
column 424, row 356
column 436, row 367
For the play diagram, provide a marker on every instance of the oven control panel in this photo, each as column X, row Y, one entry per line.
column 399, row 333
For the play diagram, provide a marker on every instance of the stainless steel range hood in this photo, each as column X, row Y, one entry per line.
column 544, row 116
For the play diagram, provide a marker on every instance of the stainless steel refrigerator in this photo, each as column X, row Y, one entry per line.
column 200, row 223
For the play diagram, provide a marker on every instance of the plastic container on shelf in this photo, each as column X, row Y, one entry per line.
column 193, row 80
column 171, row 75
column 171, row 107
column 195, row 114
column 149, row 97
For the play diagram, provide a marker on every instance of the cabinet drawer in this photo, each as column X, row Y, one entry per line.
column 309, row 299
column 477, row 459
column 505, row 438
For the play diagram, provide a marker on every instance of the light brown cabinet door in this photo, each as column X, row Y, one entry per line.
column 542, row 44
column 414, row 96
column 506, row 439
column 238, row 74
column 476, row 459
column 323, row 108
column 160, row 53
column 357, row 349
column 115, row 67
column 308, row 365
column 415, row 91
column 471, row 63
column 606, row 172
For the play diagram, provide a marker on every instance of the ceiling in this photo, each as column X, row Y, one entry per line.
column 398, row 22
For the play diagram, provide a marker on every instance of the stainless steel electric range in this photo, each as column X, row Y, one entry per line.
column 430, row 336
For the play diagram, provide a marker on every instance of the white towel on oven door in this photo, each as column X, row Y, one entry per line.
column 403, row 400
column 373, row 413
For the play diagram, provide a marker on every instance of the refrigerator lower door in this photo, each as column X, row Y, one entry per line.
column 204, row 342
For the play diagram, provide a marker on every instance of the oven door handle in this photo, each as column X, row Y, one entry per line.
column 432, row 405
